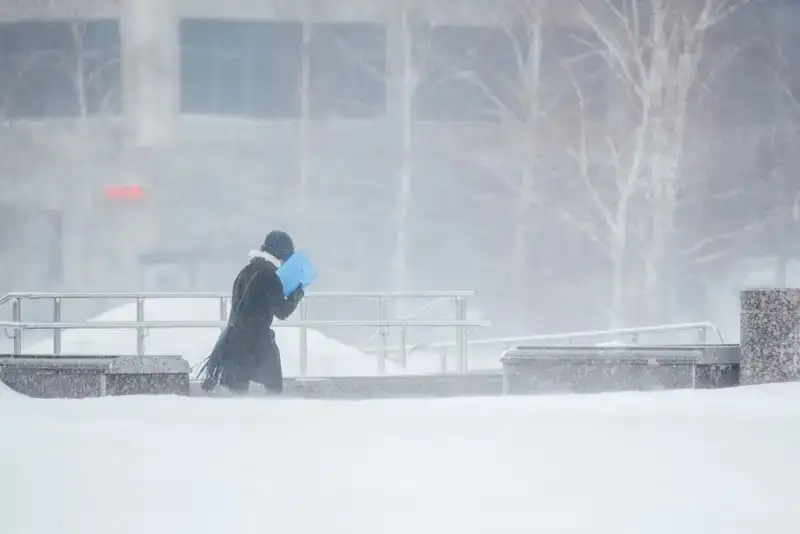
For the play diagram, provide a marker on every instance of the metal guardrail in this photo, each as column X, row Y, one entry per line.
column 39, row 295
column 702, row 328
column 705, row 330
column 17, row 326
column 460, row 324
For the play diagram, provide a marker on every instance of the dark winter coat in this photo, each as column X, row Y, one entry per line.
column 246, row 351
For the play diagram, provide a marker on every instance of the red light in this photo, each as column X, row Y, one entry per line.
column 124, row 192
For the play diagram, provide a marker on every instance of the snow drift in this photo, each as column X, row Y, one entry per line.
column 693, row 462
column 6, row 393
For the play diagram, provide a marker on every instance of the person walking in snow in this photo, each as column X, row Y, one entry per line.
column 246, row 350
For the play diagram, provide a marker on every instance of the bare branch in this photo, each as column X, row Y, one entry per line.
column 615, row 49
column 581, row 158
column 714, row 14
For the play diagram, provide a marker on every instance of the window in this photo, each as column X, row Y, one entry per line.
column 59, row 69
column 347, row 71
column 241, row 68
column 468, row 73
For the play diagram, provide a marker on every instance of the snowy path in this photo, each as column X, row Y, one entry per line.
column 675, row 462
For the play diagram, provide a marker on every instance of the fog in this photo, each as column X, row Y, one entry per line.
column 581, row 165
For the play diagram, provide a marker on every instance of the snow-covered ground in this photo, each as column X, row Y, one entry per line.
column 326, row 356
column 704, row 462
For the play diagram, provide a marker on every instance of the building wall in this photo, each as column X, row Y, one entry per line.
column 144, row 138
column 440, row 11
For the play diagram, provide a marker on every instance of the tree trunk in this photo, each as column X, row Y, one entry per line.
column 527, row 178
column 404, row 197
column 521, row 241
column 618, row 245
column 304, row 135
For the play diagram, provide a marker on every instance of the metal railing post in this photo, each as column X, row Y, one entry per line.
column 16, row 314
column 57, row 331
column 384, row 334
column 703, row 335
column 303, row 339
column 223, row 310
column 140, row 331
column 403, row 348
column 461, row 334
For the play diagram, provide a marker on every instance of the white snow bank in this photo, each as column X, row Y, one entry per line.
column 7, row 393
column 326, row 357
column 694, row 462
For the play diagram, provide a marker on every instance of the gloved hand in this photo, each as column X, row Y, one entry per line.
column 297, row 295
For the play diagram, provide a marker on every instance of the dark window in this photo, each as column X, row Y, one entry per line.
column 57, row 69
column 240, row 68
column 468, row 73
column 347, row 71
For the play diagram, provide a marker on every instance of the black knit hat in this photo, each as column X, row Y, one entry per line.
column 279, row 244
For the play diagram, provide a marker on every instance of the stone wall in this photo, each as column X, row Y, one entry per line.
column 80, row 376
column 592, row 369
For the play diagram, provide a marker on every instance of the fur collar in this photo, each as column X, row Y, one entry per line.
column 265, row 256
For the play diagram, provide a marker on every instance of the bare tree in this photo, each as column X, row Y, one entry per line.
column 407, row 53
column 783, row 133
column 87, row 69
column 305, row 109
column 524, row 105
column 408, row 58
column 622, row 166
column 653, row 50
column 606, row 164
column 530, row 115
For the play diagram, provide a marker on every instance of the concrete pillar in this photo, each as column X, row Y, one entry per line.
column 770, row 324
column 150, row 70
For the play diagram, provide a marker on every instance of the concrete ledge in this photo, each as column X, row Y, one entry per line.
column 643, row 353
column 384, row 387
column 592, row 369
column 80, row 376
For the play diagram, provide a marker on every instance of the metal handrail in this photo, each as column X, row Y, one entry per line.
column 382, row 323
column 704, row 326
column 141, row 327
column 114, row 325
column 216, row 295
column 365, row 345
column 677, row 327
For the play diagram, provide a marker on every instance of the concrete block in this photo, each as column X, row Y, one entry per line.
column 80, row 376
column 770, row 328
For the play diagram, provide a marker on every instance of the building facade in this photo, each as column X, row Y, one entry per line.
column 198, row 105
